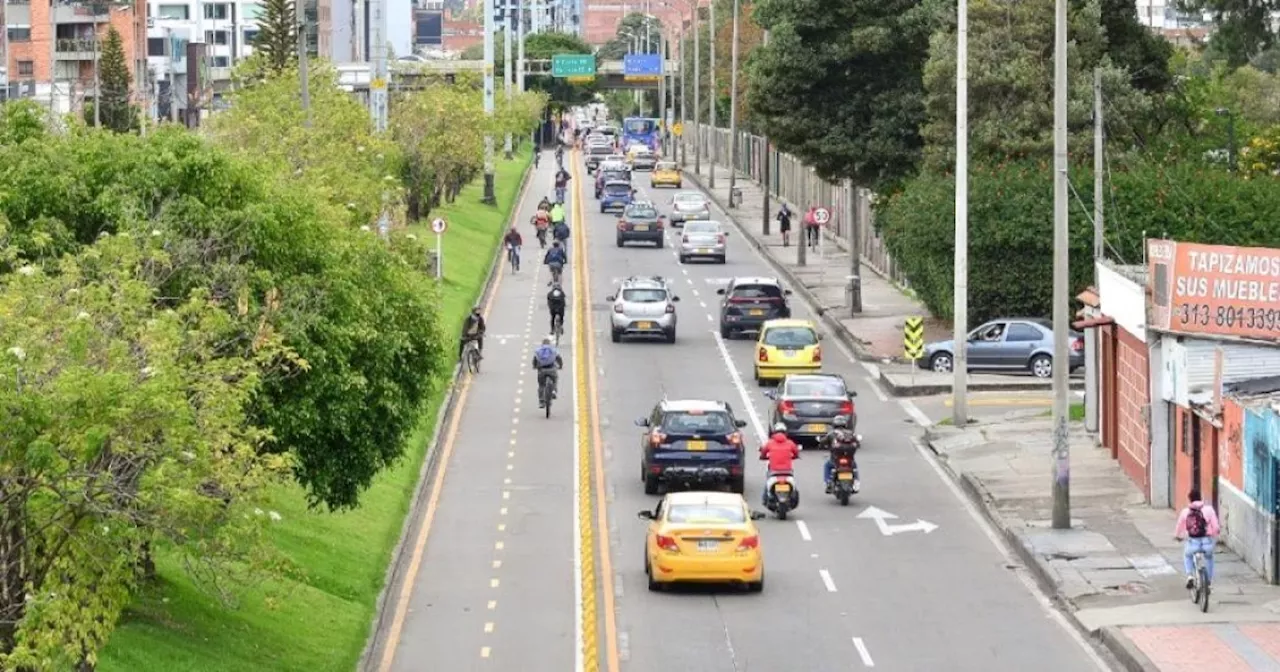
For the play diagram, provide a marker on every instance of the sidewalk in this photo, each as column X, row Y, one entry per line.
column 875, row 334
column 1118, row 571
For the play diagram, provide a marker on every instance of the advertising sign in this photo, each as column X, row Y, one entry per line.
column 1215, row 290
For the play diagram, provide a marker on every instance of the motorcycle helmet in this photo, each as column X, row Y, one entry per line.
column 780, row 427
column 841, row 421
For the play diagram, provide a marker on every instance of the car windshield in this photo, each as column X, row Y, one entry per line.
column 697, row 422
column 666, row 165
column 815, row 388
column 602, row 149
column 611, row 175
column 707, row 513
column 617, row 189
column 757, row 292
column 642, row 212
column 701, row 227
column 689, row 198
column 644, row 295
column 790, row 337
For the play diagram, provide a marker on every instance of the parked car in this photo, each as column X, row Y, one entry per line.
column 688, row 206
column 1009, row 344
column 640, row 222
column 615, row 194
column 704, row 240
column 750, row 302
column 643, row 307
column 808, row 404
column 692, row 443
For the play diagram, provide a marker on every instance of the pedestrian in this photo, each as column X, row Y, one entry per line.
column 811, row 226
column 784, row 224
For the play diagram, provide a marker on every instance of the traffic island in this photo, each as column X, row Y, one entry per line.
column 903, row 381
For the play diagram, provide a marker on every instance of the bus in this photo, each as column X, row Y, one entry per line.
column 640, row 130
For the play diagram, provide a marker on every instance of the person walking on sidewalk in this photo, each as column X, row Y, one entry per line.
column 1198, row 524
column 784, row 224
column 811, row 227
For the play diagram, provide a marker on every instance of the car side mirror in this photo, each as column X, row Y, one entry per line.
column 757, row 515
column 644, row 515
column 611, row 298
column 786, row 292
column 821, row 336
column 675, row 298
column 720, row 291
column 852, row 394
column 770, row 394
column 642, row 422
column 740, row 423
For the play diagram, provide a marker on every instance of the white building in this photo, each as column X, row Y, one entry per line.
column 228, row 30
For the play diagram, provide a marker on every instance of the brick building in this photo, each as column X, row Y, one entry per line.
column 600, row 23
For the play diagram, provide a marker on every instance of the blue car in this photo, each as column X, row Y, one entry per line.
column 616, row 194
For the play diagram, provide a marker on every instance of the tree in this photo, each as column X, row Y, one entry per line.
column 544, row 46
column 277, row 39
column 440, row 132
column 118, row 113
column 839, row 84
column 1243, row 28
column 634, row 29
column 1135, row 48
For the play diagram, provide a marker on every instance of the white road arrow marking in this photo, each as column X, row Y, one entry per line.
column 883, row 517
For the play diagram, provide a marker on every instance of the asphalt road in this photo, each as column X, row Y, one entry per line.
column 496, row 583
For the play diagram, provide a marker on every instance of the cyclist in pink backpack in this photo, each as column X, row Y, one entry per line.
column 1198, row 524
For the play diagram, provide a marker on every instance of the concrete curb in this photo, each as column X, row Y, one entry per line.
column 927, row 390
column 846, row 337
column 375, row 643
column 1126, row 653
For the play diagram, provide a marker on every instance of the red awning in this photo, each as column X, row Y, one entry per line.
column 1100, row 321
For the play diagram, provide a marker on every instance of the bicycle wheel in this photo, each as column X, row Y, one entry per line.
column 1202, row 575
column 545, row 393
column 473, row 358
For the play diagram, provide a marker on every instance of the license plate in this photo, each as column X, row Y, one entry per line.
column 755, row 312
column 815, row 428
column 644, row 325
column 708, row 545
column 696, row 445
column 642, row 227
column 782, row 487
column 704, row 251
column 789, row 352
column 844, row 477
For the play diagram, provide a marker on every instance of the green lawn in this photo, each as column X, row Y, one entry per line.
column 319, row 618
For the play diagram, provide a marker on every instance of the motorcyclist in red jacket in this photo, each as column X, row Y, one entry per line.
column 781, row 452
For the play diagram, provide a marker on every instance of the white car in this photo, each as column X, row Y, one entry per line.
column 704, row 239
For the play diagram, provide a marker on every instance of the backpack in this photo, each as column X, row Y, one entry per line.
column 545, row 356
column 1197, row 526
column 561, row 231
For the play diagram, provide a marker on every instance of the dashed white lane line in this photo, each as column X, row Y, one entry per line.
column 915, row 413
column 804, row 530
column 826, row 580
column 875, row 387
column 756, row 424
column 863, row 653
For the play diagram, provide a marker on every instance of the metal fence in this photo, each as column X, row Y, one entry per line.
column 800, row 186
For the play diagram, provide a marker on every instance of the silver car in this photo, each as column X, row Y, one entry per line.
column 703, row 239
column 643, row 307
column 687, row 206
column 643, row 160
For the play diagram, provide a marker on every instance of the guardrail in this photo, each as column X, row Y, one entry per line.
column 80, row 45
column 799, row 185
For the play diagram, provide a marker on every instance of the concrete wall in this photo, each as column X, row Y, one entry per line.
column 1245, row 528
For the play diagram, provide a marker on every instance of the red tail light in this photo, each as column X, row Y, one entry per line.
column 668, row 543
column 720, row 239
column 817, row 353
column 1077, row 344
column 657, row 438
column 844, row 461
column 671, row 308
column 847, row 409
column 749, row 543
column 740, row 299
column 617, row 308
column 787, row 407
column 763, row 355
column 735, row 439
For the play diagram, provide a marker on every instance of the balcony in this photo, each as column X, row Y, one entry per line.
column 79, row 49
column 87, row 13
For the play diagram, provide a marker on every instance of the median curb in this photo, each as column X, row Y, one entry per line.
column 842, row 332
column 900, row 389
column 413, row 516
column 1126, row 652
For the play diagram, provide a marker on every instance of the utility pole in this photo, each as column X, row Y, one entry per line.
column 662, row 87
column 301, row 7
column 97, row 72
column 853, row 198
column 715, row 136
column 1061, row 323
column 489, row 197
column 765, row 178
column 520, row 34
column 684, row 95
column 733, row 110
column 960, row 307
column 1091, row 382
column 508, row 74
column 697, row 88
column 378, row 49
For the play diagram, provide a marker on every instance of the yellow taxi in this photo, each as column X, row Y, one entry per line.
column 666, row 173
column 703, row 537
column 787, row 346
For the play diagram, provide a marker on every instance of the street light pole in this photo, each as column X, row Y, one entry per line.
column 1061, row 323
column 960, row 308
column 711, row 165
column 765, row 177
column 697, row 88
column 508, row 74
column 733, row 109
column 1231, row 136
column 489, row 197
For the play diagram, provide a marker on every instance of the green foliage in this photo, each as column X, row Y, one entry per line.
column 1135, row 48
column 1011, row 220
column 839, row 84
column 635, row 29
column 21, row 120
column 277, row 41
column 1242, row 28
column 118, row 113
column 542, row 46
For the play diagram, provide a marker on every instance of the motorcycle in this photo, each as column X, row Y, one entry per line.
column 845, row 474
column 783, row 496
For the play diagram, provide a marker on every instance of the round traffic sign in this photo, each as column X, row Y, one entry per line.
column 438, row 225
column 822, row 215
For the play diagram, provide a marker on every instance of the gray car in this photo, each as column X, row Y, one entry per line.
column 643, row 160
column 1024, row 344
column 808, row 404
column 643, row 307
column 704, row 239
column 640, row 222
column 688, row 206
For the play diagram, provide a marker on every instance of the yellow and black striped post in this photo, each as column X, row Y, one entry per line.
column 913, row 338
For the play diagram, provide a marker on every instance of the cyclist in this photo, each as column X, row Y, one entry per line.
column 473, row 330
column 547, row 362
column 513, row 242
column 562, row 183
column 544, row 204
column 557, row 213
column 1198, row 524
column 560, row 155
column 537, row 157
column 555, row 305
column 541, row 222
column 560, row 232
column 555, row 259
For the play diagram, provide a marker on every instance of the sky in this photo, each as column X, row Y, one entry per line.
column 400, row 26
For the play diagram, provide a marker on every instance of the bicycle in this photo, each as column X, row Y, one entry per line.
column 556, row 271
column 513, row 256
column 557, row 328
column 560, row 194
column 471, row 356
column 1201, row 584
column 545, row 394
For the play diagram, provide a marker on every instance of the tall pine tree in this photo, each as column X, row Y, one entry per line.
column 277, row 41
column 118, row 113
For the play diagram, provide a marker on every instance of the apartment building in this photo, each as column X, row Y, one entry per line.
column 50, row 47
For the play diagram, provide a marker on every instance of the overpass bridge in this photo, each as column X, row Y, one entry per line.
column 410, row 75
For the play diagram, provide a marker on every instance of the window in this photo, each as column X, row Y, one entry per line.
column 250, row 35
column 815, row 388
column 691, row 199
column 757, row 292
column 701, row 227
column 252, row 11
column 639, row 126
column 19, row 33
column 175, row 12
column 26, row 68
column 644, row 295
column 218, row 37
column 665, row 165
column 790, row 337
column 640, row 211
column 221, row 61
column 724, row 514
column 989, row 333
column 1023, row 333
column 219, row 11
column 155, row 46
column 698, row 422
